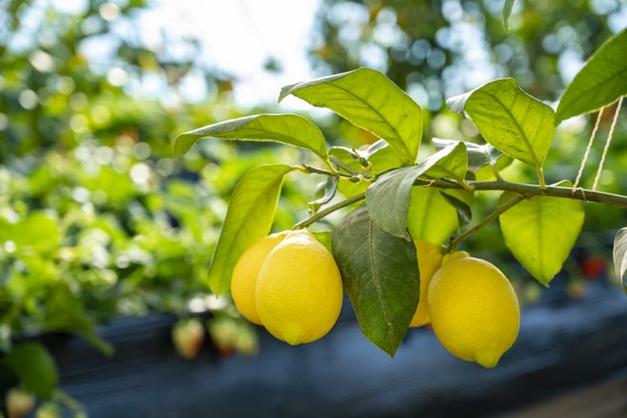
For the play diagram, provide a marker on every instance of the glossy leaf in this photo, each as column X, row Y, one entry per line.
column 430, row 217
column 388, row 197
column 479, row 155
column 620, row 256
column 379, row 273
column 371, row 101
column 452, row 165
column 541, row 231
column 601, row 81
column 287, row 129
column 35, row 368
column 382, row 157
column 508, row 118
column 249, row 218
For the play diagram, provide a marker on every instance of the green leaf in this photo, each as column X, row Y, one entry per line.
column 620, row 256
column 325, row 238
column 508, row 118
column 479, row 155
column 346, row 158
column 380, row 274
column 541, row 231
column 248, row 219
column 382, row 157
column 285, row 128
column 388, row 197
column 35, row 368
column 601, row 81
column 430, row 218
column 461, row 200
column 507, row 12
column 38, row 231
column 371, row 101
column 452, row 165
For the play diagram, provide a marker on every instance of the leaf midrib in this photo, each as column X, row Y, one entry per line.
column 377, row 285
column 397, row 133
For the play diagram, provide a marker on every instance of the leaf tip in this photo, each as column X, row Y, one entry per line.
column 285, row 91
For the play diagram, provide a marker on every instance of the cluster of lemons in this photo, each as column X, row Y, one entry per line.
column 289, row 283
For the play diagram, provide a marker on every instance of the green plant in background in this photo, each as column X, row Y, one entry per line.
column 98, row 220
column 374, row 245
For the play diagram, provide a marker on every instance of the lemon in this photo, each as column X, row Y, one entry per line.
column 474, row 309
column 245, row 272
column 429, row 260
column 299, row 290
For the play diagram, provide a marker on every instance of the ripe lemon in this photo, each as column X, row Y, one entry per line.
column 474, row 309
column 299, row 290
column 244, row 279
column 429, row 260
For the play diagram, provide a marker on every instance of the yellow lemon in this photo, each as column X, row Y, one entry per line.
column 299, row 290
column 244, row 278
column 474, row 309
column 429, row 260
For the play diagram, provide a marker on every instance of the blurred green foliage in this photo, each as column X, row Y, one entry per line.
column 98, row 220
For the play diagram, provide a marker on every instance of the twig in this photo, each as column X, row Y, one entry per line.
column 527, row 190
column 328, row 210
column 492, row 216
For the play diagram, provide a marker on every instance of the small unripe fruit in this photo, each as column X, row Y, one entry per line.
column 188, row 336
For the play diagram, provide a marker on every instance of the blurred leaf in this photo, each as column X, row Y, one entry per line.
column 285, row 128
column 369, row 100
column 508, row 5
column 249, row 218
column 620, row 256
column 380, row 274
column 35, row 368
column 508, row 118
column 388, row 197
column 430, row 217
column 601, row 81
column 65, row 312
column 541, row 231
column 38, row 231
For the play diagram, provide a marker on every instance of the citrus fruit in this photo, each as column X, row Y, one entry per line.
column 429, row 260
column 474, row 309
column 245, row 272
column 299, row 289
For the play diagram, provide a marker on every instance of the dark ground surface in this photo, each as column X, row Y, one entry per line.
column 563, row 347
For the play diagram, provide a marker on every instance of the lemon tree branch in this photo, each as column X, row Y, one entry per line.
column 492, row 216
column 523, row 189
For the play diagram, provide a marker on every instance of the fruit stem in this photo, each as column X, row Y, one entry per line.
column 492, row 216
